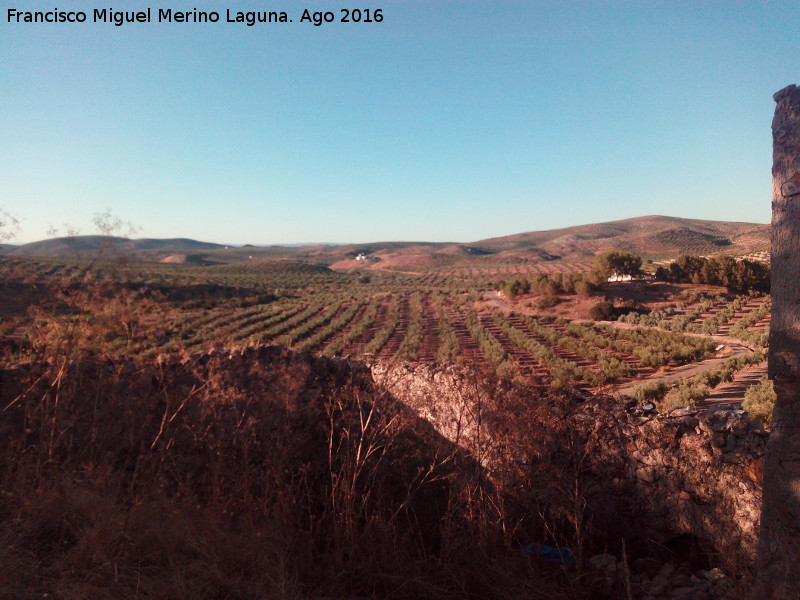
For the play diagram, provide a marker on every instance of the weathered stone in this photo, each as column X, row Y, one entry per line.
column 755, row 470
column 779, row 544
column 681, row 412
column 646, row 474
column 645, row 459
column 714, row 574
column 733, row 458
column 649, row 482
column 681, row 580
column 719, row 426
column 739, row 427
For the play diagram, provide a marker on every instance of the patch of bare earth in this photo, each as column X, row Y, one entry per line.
column 733, row 392
column 174, row 258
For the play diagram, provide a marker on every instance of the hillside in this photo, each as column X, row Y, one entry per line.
column 648, row 236
column 94, row 244
column 651, row 236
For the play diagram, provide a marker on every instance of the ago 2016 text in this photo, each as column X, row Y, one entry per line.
column 346, row 15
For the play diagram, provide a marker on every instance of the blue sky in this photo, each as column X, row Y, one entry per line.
column 449, row 120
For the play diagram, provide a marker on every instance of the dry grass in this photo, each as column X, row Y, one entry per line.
column 251, row 474
column 263, row 473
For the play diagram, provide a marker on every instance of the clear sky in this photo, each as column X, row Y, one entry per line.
column 448, row 120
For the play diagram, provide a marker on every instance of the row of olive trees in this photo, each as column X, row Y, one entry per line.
column 387, row 328
column 712, row 324
column 552, row 284
column 691, row 391
column 656, row 348
column 611, row 366
column 193, row 330
column 342, row 342
column 295, row 335
column 323, row 333
column 449, row 350
column 563, row 373
column 409, row 347
column 491, row 348
column 741, row 329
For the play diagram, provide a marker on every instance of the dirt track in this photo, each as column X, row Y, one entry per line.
column 724, row 394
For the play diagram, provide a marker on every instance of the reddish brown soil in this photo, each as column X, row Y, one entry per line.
column 353, row 322
column 470, row 352
column 733, row 391
column 393, row 343
column 710, row 313
column 357, row 347
column 527, row 364
column 430, row 340
column 754, row 304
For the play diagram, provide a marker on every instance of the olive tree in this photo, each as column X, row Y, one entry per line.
column 617, row 262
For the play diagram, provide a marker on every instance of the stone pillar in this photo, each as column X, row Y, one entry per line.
column 779, row 541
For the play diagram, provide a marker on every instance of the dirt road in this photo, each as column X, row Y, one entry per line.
column 727, row 393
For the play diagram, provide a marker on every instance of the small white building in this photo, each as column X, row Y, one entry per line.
column 641, row 277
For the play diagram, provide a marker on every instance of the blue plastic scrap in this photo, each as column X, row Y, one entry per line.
column 557, row 554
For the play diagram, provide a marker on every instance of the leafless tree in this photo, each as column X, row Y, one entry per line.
column 9, row 225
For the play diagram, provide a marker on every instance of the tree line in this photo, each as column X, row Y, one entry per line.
column 739, row 275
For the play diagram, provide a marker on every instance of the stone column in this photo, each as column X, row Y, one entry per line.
column 779, row 542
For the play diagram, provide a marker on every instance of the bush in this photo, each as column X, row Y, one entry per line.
column 652, row 391
column 759, row 400
column 686, row 393
column 584, row 287
column 603, row 311
column 548, row 302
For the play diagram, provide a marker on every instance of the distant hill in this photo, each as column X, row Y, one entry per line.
column 652, row 237
column 95, row 244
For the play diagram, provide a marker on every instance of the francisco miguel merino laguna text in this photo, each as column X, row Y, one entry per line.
column 168, row 15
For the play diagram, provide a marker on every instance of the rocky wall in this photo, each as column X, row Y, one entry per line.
column 687, row 482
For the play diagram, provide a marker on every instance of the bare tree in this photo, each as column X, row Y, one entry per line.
column 109, row 226
column 779, row 542
column 9, row 226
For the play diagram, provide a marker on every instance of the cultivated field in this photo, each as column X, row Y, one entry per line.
column 146, row 309
column 161, row 441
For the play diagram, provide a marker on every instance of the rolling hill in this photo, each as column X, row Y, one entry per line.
column 655, row 237
column 652, row 236
column 95, row 244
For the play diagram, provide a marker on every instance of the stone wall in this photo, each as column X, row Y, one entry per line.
column 690, row 475
column 694, row 472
